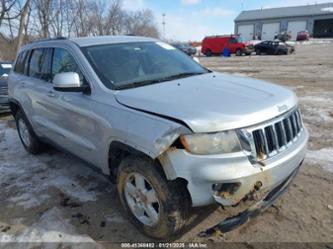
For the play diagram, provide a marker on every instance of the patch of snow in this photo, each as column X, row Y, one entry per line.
column 52, row 227
column 28, row 177
column 318, row 107
column 320, row 99
column 315, row 41
column 327, row 9
column 324, row 157
column 27, row 201
column 317, row 115
column 115, row 218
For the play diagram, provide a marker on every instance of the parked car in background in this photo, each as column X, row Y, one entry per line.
column 303, row 36
column 273, row 48
column 291, row 47
column 215, row 45
column 171, row 133
column 283, row 36
column 5, row 67
column 186, row 48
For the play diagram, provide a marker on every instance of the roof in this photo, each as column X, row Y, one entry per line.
column 93, row 40
column 100, row 40
column 306, row 10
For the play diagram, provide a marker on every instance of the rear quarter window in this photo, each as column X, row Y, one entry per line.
column 20, row 66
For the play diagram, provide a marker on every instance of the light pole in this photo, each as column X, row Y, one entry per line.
column 163, row 23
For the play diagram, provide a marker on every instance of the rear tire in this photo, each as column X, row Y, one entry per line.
column 239, row 52
column 170, row 199
column 208, row 53
column 27, row 136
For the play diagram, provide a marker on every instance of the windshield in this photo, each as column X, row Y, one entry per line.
column 127, row 65
column 240, row 39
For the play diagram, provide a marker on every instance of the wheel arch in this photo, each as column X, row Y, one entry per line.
column 119, row 150
column 15, row 106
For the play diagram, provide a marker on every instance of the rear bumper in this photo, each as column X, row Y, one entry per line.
column 249, row 50
column 4, row 99
column 4, row 104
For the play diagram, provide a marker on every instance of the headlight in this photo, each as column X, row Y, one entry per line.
column 211, row 143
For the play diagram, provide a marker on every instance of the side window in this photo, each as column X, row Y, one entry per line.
column 36, row 63
column 233, row 41
column 40, row 64
column 21, row 62
column 46, row 66
column 64, row 62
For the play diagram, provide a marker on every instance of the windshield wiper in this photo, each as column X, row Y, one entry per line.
column 137, row 84
column 159, row 80
column 182, row 75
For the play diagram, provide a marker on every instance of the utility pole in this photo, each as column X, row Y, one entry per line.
column 163, row 23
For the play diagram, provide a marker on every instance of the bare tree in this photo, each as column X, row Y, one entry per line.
column 24, row 14
column 115, row 18
column 43, row 8
column 141, row 23
column 25, row 20
column 5, row 8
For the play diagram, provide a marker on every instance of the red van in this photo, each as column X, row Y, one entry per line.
column 216, row 44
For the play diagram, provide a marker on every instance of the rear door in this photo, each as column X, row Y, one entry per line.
column 263, row 47
column 273, row 46
column 39, row 84
column 233, row 44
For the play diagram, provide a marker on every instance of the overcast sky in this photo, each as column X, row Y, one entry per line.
column 193, row 19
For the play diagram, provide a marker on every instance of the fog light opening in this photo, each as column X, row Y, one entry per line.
column 225, row 190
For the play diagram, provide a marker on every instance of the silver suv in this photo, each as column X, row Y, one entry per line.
column 171, row 133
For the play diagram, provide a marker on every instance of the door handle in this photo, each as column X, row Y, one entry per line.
column 51, row 94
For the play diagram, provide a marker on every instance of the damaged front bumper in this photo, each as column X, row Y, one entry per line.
column 254, row 210
column 229, row 179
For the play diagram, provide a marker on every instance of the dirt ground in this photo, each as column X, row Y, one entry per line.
column 55, row 197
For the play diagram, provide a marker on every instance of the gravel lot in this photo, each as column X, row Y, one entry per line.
column 56, row 197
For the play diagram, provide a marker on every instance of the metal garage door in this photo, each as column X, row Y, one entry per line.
column 269, row 30
column 246, row 32
column 323, row 28
column 295, row 27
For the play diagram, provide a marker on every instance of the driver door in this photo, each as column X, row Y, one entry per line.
column 66, row 119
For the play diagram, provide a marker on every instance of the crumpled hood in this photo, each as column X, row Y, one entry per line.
column 212, row 102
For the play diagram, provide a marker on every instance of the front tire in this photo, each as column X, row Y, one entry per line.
column 27, row 136
column 157, row 207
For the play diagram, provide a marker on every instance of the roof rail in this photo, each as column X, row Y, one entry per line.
column 50, row 39
column 220, row 36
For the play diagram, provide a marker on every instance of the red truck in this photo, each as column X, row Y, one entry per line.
column 215, row 45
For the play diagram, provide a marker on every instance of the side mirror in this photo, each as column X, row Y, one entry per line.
column 4, row 77
column 68, row 82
